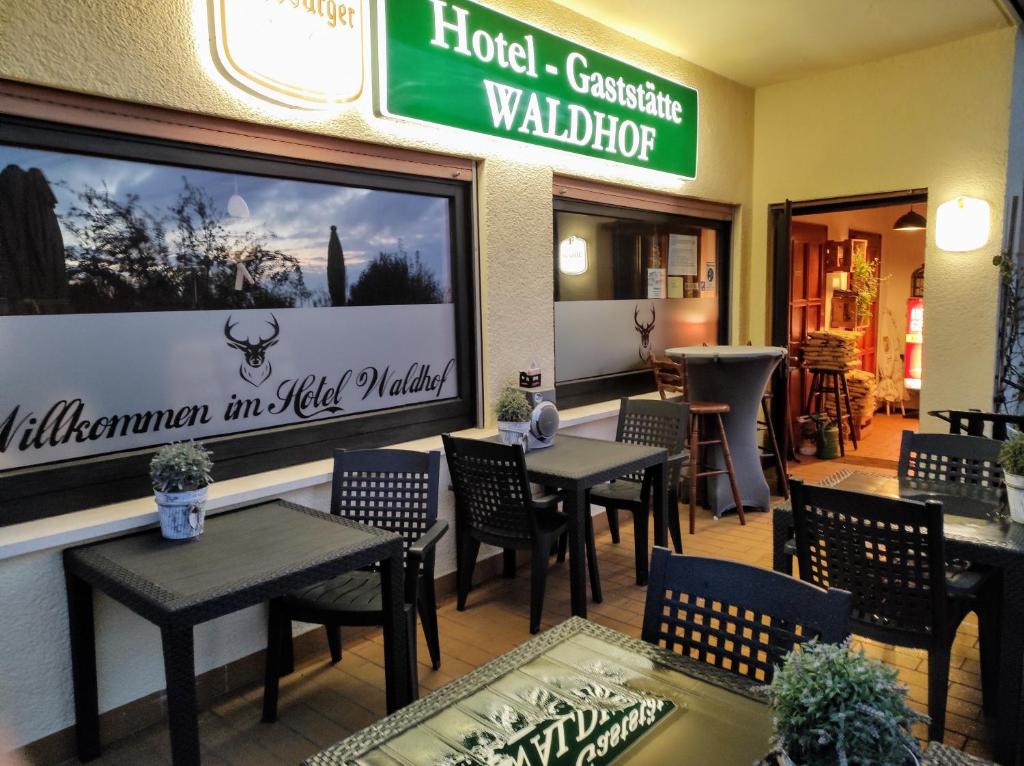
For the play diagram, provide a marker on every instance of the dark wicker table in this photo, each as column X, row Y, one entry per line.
column 575, row 464
column 557, row 694
column 975, row 530
column 245, row 557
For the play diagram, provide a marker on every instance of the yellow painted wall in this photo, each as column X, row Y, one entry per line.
column 155, row 52
column 937, row 118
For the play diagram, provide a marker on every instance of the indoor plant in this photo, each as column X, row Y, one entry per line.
column 1011, row 458
column 513, row 410
column 181, row 475
column 834, row 706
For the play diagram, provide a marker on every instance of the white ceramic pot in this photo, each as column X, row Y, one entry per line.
column 182, row 513
column 513, row 433
column 1015, row 496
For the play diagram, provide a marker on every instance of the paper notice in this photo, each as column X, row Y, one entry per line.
column 655, row 283
column 682, row 255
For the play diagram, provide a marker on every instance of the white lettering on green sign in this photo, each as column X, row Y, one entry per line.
column 505, row 78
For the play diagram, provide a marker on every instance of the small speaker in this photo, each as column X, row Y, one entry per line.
column 537, row 395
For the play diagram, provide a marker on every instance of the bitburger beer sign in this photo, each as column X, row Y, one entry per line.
column 461, row 64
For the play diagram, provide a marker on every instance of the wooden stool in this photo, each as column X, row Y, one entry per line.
column 773, row 450
column 702, row 415
column 825, row 381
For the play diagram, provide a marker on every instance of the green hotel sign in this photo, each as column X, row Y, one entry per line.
column 461, row 64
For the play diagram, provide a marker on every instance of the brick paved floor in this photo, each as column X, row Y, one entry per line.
column 321, row 704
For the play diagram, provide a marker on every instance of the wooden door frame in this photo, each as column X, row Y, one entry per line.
column 779, row 218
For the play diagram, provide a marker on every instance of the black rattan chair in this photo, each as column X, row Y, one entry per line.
column 394, row 490
column 652, row 424
column 889, row 554
column 951, row 458
column 494, row 505
column 735, row 616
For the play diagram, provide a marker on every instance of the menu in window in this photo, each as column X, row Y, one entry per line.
column 655, row 283
column 682, row 255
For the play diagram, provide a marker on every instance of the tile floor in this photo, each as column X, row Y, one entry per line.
column 321, row 704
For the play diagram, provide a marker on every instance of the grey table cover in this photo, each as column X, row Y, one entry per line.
column 245, row 557
column 737, row 376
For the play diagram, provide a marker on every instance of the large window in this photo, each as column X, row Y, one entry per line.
column 629, row 283
column 152, row 292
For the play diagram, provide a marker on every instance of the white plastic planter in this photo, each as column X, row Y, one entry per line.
column 1015, row 496
column 182, row 514
column 513, row 433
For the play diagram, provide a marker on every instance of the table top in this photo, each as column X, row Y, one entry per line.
column 579, row 460
column 609, row 696
column 972, row 516
column 726, row 352
column 243, row 557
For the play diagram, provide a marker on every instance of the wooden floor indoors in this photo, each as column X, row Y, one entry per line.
column 321, row 704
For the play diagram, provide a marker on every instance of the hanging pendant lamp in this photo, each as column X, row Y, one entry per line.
column 910, row 221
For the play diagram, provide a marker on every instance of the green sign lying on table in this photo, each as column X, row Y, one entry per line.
column 461, row 64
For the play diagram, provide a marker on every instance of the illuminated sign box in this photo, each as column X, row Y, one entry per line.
column 305, row 54
column 460, row 64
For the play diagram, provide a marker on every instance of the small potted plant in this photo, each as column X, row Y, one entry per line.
column 835, row 706
column 513, row 410
column 1011, row 458
column 181, row 476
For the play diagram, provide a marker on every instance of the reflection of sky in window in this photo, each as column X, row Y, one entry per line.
column 294, row 216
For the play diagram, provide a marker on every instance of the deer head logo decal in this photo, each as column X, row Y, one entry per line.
column 255, row 369
column 645, row 333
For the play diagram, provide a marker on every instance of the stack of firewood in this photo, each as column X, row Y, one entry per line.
column 862, row 396
column 834, row 349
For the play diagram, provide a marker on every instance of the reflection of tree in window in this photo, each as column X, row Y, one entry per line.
column 392, row 278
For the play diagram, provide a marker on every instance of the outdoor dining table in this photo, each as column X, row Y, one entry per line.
column 579, row 693
column 244, row 557
column 574, row 464
column 582, row 694
column 975, row 530
column 737, row 376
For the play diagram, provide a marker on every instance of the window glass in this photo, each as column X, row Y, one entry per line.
column 146, row 302
column 645, row 284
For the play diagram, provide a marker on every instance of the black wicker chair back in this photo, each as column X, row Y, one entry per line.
column 737, row 617
column 952, row 458
column 492, row 488
column 888, row 553
column 652, row 424
column 389, row 489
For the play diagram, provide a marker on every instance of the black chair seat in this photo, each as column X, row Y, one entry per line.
column 350, row 592
column 617, row 491
column 961, row 583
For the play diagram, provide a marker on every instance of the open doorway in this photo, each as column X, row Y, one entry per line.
column 847, row 297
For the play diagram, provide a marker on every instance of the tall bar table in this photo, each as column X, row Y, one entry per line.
column 737, row 376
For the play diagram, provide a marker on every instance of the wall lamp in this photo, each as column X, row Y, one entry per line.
column 962, row 224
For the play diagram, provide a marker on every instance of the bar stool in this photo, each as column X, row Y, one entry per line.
column 825, row 381
column 670, row 377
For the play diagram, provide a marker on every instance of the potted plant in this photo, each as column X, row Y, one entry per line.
column 181, row 475
column 513, row 410
column 836, row 706
column 1011, row 458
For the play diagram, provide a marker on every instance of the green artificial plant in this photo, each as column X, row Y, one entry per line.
column 181, row 467
column 513, row 406
column 834, row 707
column 1011, row 455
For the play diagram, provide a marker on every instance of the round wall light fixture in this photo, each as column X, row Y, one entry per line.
column 962, row 224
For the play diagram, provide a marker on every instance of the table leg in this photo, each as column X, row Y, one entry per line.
column 1007, row 746
column 661, row 509
column 83, row 667
column 575, row 507
column 396, row 654
column 782, row 531
column 182, row 708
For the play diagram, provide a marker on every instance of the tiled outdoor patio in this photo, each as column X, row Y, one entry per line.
column 321, row 704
